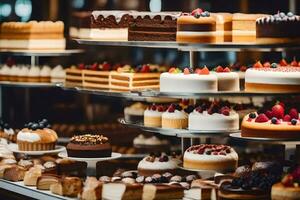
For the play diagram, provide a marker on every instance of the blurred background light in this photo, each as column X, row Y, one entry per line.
column 23, row 9
column 78, row 3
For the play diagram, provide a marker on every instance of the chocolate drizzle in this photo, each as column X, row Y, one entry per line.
column 89, row 139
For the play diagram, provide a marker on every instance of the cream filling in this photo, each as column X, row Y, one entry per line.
column 34, row 43
column 197, row 33
column 156, row 165
column 109, row 34
column 210, row 158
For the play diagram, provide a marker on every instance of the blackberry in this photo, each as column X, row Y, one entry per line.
column 293, row 121
column 252, row 115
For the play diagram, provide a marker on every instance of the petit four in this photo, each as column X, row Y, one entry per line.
column 92, row 189
column 153, row 115
column 31, row 176
column 124, row 191
column 14, row 173
column 44, row 181
column 174, row 117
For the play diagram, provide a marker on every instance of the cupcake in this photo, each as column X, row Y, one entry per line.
column 58, row 74
column 37, row 137
column 34, row 74
column 152, row 116
column 134, row 113
column 45, row 74
column 174, row 117
column 23, row 74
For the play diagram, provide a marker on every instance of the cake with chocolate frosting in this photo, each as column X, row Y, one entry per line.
column 89, row 146
column 80, row 26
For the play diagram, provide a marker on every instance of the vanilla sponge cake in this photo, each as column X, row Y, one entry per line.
column 223, row 27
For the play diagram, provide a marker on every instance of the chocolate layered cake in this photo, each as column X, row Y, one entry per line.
column 279, row 28
column 110, row 25
column 89, row 146
column 80, row 25
column 153, row 26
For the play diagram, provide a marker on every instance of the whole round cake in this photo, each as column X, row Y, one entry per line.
column 274, row 122
column 89, row 146
column 220, row 158
column 283, row 79
column 37, row 137
column 174, row 117
column 152, row 115
column 200, row 81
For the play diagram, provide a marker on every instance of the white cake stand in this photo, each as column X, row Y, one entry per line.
column 91, row 162
column 14, row 148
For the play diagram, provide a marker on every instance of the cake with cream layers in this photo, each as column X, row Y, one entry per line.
column 80, row 25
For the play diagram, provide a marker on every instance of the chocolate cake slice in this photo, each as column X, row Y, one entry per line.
column 80, row 24
column 153, row 26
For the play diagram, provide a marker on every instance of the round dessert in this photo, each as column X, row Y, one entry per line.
column 157, row 165
column 200, row 81
column 227, row 80
column 270, row 79
column 134, row 113
column 45, row 74
column 152, row 115
column 58, row 74
column 37, row 137
column 174, row 117
column 152, row 144
column 278, row 28
column 89, row 146
column 34, row 74
column 216, row 118
column 23, row 74
column 274, row 122
column 219, row 158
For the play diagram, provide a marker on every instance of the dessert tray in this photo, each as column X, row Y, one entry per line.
column 14, row 148
column 28, row 84
column 65, row 52
column 238, row 136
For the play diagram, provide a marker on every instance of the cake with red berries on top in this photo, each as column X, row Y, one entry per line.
column 227, row 80
column 275, row 122
column 196, row 27
column 214, row 117
column 220, row 158
column 187, row 81
column 282, row 77
column 288, row 188
column 153, row 115
column 174, row 117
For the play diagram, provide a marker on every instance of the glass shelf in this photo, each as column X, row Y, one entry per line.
column 28, row 84
column 238, row 136
column 45, row 53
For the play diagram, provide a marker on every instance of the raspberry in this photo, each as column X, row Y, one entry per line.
column 106, row 66
column 198, row 11
column 160, row 108
column 261, row 118
column 186, row 71
column 287, row 118
column 243, row 68
column 219, row 69
column 204, row 71
column 257, row 65
column 269, row 114
column 94, row 67
column 81, row 66
column 278, row 111
column 199, row 109
column 153, row 107
column 283, row 62
column 267, row 64
column 294, row 63
column 145, row 69
column 226, row 69
column 294, row 113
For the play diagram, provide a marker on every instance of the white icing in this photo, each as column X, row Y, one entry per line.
column 163, row 15
column 273, row 77
column 9, row 161
column 175, row 115
column 33, row 44
column 49, row 164
column 34, row 71
column 109, row 34
column 23, row 71
column 140, row 139
column 14, row 71
column 154, row 141
column 28, row 136
column 152, row 113
column 192, row 83
column 58, row 73
column 216, row 121
column 5, row 70
column 45, row 71
column 118, row 14
column 228, row 81
column 216, row 158
column 156, row 165
column 9, row 131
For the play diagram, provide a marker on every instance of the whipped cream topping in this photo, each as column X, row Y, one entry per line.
column 14, row 71
column 157, row 165
column 152, row 113
column 28, row 136
column 175, row 115
column 9, row 131
column 23, row 71
column 45, row 71
column 9, row 161
column 5, row 70
column 34, row 71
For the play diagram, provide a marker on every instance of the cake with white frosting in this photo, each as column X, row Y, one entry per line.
column 153, row 114
column 186, row 81
column 45, row 74
column 58, row 74
column 227, row 80
column 174, row 117
column 219, row 158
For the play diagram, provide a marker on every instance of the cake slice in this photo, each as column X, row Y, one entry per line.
column 74, row 77
column 96, row 79
column 80, row 25
column 31, row 176
column 223, row 27
column 45, row 181
column 67, row 186
column 161, row 192
column 92, row 189
column 122, row 191
column 202, row 189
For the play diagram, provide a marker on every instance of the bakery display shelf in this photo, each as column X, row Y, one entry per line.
column 14, row 148
column 28, row 84
column 236, row 47
column 238, row 136
column 30, row 192
column 182, row 133
column 45, row 53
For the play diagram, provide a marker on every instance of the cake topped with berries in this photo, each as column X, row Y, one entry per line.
column 216, row 116
column 282, row 77
column 153, row 114
column 158, row 164
column 175, row 117
column 200, row 80
column 227, row 80
column 278, row 121
column 212, row 157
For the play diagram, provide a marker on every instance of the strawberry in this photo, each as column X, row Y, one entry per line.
column 145, row 69
column 94, row 66
column 226, row 69
column 204, row 71
column 171, row 109
column 261, row 118
column 283, row 62
column 269, row 114
column 106, row 66
column 267, row 64
column 219, row 69
column 199, row 109
column 282, row 104
column 294, row 63
column 257, row 65
column 288, row 180
column 287, row 118
column 186, row 71
column 197, row 71
column 278, row 111
column 172, row 70
column 81, row 66
column 294, row 114
column 160, row 108
column 153, row 107
column 198, row 10
column 225, row 112
column 243, row 68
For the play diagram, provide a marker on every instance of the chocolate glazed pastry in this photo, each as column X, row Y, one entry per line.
column 89, row 146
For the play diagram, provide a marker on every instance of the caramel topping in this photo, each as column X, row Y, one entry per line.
column 89, row 139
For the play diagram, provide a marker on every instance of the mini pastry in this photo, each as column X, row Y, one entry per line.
column 67, row 186
column 92, row 189
column 13, row 73
column 50, row 167
column 23, row 74
column 134, row 113
column 174, row 117
column 37, row 137
column 58, row 74
column 89, row 146
column 152, row 115
column 45, row 181
column 45, row 74
column 163, row 192
column 27, row 164
column 31, row 176
column 14, row 173
column 220, row 158
column 34, row 74
column 122, row 191
column 4, row 73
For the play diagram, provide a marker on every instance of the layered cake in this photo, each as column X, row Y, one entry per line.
column 174, row 117
column 199, row 81
column 124, row 191
column 32, row 35
column 43, row 182
column 150, row 144
column 135, row 112
column 244, row 27
column 279, row 28
column 251, row 182
column 227, row 80
column 74, row 76
column 89, row 146
column 157, row 165
column 288, row 188
column 37, row 136
column 110, row 25
column 162, row 192
column 220, row 158
column 92, row 189
column 196, row 27
column 80, row 25
column 153, row 26
column 153, row 114
column 223, row 27
column 215, row 117
column 276, row 78
column 275, row 122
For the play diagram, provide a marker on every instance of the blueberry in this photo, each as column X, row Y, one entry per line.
column 197, row 15
column 293, row 121
column 191, row 70
column 35, row 127
column 29, row 124
column 273, row 65
column 274, row 120
column 41, row 126
column 205, row 14
column 290, row 14
column 252, row 115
